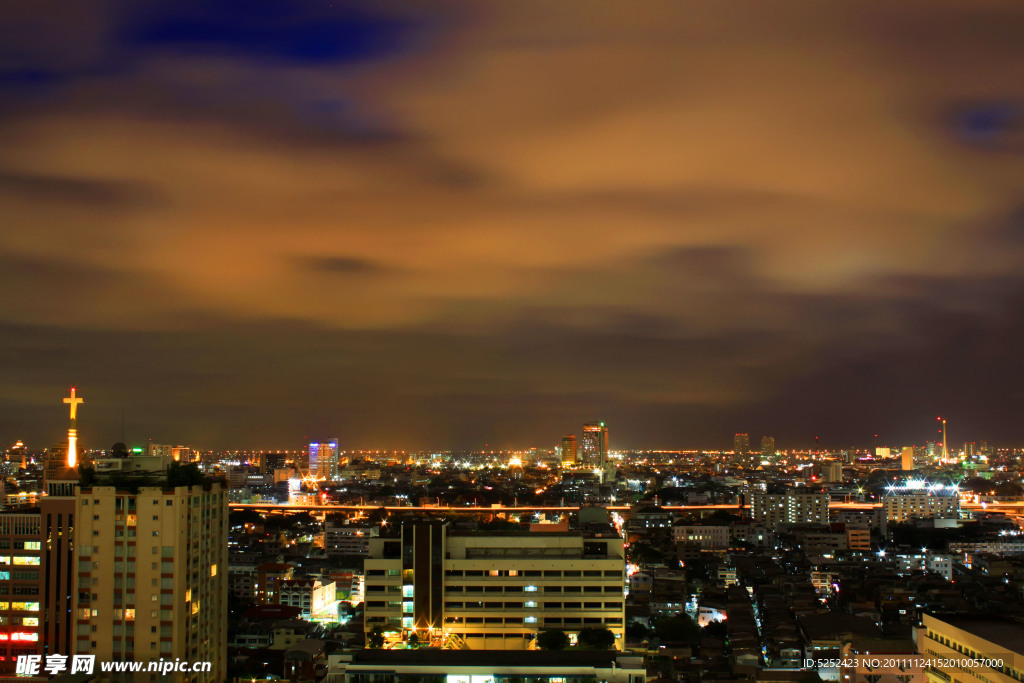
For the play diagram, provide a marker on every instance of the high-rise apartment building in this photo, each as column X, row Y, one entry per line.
column 594, row 445
column 151, row 567
column 767, row 446
column 494, row 591
column 57, row 513
column 741, row 444
column 789, row 507
column 569, row 449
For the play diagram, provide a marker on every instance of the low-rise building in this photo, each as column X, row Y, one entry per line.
column 316, row 599
column 707, row 537
column 348, row 539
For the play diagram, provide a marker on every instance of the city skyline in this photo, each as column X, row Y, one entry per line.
column 250, row 223
column 593, row 443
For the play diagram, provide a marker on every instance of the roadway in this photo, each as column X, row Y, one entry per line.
column 1008, row 508
column 273, row 507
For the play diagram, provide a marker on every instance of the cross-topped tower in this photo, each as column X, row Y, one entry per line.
column 73, row 401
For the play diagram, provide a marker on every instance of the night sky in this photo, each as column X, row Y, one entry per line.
column 445, row 224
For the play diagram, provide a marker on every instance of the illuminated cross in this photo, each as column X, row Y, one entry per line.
column 73, row 401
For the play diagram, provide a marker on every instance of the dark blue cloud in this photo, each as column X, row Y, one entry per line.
column 987, row 123
column 300, row 32
column 27, row 86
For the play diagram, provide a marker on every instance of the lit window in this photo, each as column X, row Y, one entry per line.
column 407, row 591
column 531, row 620
column 26, row 560
column 213, row 570
column 530, row 589
column 32, row 545
column 530, row 603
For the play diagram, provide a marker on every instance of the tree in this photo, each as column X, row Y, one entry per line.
column 637, row 631
column 184, row 474
column 595, row 639
column 715, row 629
column 375, row 639
column 552, row 640
column 678, row 629
column 413, row 640
column 240, row 517
column 86, row 475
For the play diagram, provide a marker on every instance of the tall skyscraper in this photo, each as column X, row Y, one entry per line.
column 741, row 444
column 323, row 460
column 569, row 449
column 594, row 445
column 767, row 446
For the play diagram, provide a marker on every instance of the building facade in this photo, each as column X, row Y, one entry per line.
column 900, row 507
column 949, row 640
column 348, row 539
column 569, row 450
column 494, row 591
column 707, row 537
column 790, row 507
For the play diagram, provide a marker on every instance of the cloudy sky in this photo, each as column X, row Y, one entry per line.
column 445, row 224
